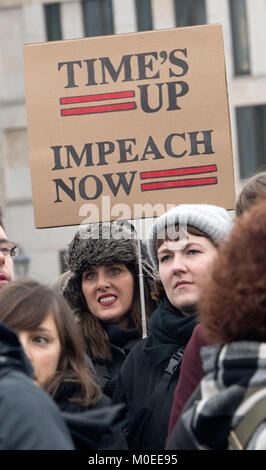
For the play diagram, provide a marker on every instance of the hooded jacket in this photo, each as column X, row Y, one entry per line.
column 145, row 386
column 30, row 419
column 235, row 380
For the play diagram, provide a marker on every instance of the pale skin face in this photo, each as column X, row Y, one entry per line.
column 108, row 291
column 183, row 265
column 42, row 346
column 6, row 263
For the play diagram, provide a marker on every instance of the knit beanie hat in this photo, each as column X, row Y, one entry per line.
column 212, row 220
column 102, row 244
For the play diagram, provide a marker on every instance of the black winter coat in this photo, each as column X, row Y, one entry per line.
column 96, row 427
column 121, row 342
column 30, row 419
column 145, row 387
column 69, row 390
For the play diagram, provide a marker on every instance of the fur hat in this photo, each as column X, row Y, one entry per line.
column 102, row 244
column 212, row 220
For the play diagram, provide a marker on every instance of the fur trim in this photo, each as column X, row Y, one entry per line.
column 99, row 244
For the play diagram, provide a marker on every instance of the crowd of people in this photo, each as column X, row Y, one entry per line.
column 73, row 356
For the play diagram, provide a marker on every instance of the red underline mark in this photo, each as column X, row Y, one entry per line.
column 178, row 184
column 99, row 109
column 178, row 171
column 98, row 97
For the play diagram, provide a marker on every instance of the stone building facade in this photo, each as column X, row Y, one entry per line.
column 31, row 21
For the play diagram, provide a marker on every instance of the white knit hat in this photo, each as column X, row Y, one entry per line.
column 212, row 220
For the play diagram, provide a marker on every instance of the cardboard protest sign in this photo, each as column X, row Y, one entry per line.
column 119, row 124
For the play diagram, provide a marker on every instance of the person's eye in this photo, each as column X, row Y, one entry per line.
column 115, row 271
column 41, row 340
column 5, row 251
column 164, row 258
column 193, row 252
column 90, row 276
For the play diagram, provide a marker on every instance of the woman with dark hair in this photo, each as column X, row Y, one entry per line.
column 233, row 317
column 103, row 290
column 51, row 339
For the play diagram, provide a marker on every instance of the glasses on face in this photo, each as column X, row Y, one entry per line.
column 8, row 248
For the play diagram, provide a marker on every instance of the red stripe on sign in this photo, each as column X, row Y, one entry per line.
column 99, row 97
column 178, row 171
column 98, row 109
column 178, row 184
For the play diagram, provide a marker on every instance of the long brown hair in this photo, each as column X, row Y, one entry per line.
column 24, row 305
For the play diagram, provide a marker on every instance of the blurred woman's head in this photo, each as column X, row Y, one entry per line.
column 234, row 304
column 104, row 282
column 49, row 334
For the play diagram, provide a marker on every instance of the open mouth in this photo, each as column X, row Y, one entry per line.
column 3, row 279
column 107, row 300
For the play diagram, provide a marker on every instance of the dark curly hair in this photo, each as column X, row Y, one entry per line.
column 233, row 307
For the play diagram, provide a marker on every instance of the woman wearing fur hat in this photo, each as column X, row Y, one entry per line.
column 183, row 246
column 233, row 316
column 103, row 290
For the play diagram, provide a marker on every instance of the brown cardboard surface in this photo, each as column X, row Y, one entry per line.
column 127, row 120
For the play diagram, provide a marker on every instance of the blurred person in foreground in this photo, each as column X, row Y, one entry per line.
column 52, row 341
column 30, row 420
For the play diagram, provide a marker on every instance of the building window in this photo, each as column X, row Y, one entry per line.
column 53, row 22
column 190, row 12
column 98, row 17
column 144, row 15
column 251, row 125
column 240, row 36
column 63, row 265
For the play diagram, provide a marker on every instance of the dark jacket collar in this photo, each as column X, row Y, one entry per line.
column 170, row 329
column 120, row 336
column 12, row 355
